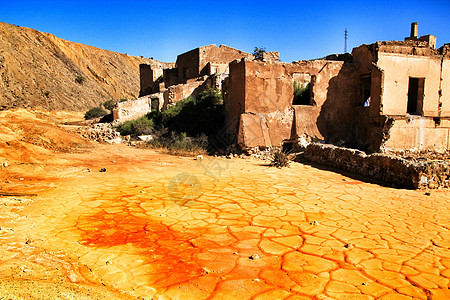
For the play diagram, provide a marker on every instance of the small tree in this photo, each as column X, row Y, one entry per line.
column 259, row 53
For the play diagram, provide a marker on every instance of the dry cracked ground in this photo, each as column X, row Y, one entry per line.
column 155, row 226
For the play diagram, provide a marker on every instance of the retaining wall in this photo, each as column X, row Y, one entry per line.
column 392, row 170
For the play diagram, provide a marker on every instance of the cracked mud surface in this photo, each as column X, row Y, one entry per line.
column 159, row 226
column 248, row 231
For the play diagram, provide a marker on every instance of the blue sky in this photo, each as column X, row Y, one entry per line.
column 164, row 29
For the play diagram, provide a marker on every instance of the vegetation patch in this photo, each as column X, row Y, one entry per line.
column 180, row 144
column 109, row 105
column 79, row 79
column 186, row 128
column 95, row 112
column 302, row 94
column 137, row 127
column 279, row 159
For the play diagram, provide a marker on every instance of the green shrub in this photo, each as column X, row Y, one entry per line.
column 79, row 79
column 181, row 144
column 279, row 159
column 109, row 105
column 302, row 94
column 95, row 112
column 196, row 116
column 183, row 128
column 140, row 126
column 259, row 53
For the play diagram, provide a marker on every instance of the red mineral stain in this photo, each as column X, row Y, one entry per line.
column 170, row 252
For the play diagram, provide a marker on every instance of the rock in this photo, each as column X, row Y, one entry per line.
column 199, row 157
column 349, row 246
column 433, row 185
column 5, row 164
column 102, row 170
column 254, row 257
column 145, row 138
column 314, row 223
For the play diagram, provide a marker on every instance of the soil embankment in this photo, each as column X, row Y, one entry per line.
column 40, row 70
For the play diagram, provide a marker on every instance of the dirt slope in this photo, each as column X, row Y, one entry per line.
column 39, row 70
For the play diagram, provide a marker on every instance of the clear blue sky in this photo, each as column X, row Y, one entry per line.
column 164, row 29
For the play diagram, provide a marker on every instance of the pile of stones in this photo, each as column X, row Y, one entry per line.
column 102, row 133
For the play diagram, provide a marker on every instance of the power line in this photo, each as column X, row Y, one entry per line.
column 345, row 39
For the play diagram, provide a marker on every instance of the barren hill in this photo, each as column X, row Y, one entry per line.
column 40, row 70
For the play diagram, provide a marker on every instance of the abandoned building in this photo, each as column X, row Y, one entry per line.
column 193, row 72
column 392, row 95
column 386, row 95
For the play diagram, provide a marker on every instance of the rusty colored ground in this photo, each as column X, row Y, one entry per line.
column 158, row 226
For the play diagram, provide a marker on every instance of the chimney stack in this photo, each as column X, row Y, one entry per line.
column 414, row 30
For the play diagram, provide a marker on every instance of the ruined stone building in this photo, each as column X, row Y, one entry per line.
column 193, row 72
column 385, row 95
column 392, row 95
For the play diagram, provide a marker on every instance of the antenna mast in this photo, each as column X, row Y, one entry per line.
column 345, row 39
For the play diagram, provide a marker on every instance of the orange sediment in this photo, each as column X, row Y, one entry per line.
column 235, row 230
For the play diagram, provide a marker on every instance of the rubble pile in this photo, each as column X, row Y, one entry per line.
column 102, row 133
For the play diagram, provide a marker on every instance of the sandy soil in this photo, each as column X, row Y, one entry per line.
column 159, row 226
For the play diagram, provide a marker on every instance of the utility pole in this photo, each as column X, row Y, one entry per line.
column 345, row 39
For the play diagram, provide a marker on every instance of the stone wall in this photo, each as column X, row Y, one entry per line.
column 219, row 57
column 206, row 60
column 178, row 92
column 132, row 109
column 335, row 92
column 422, row 133
column 188, row 65
column 388, row 122
column 397, row 71
column 259, row 101
column 391, row 170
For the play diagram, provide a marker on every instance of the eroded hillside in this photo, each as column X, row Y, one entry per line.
column 40, row 70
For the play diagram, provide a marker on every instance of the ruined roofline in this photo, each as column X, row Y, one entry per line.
column 408, row 47
column 215, row 46
column 161, row 65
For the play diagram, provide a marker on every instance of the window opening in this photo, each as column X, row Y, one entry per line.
column 415, row 95
column 366, row 90
column 302, row 89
